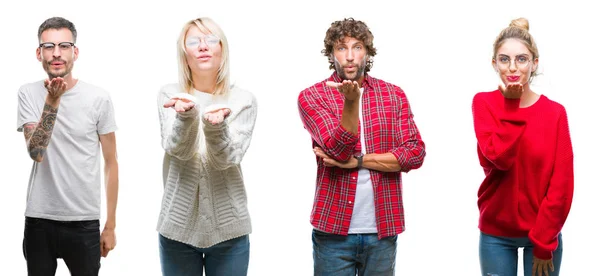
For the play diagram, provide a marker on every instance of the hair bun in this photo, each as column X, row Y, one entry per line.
column 520, row 23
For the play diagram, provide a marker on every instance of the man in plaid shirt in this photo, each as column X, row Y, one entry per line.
column 357, row 212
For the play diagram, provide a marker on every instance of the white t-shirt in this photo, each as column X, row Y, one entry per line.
column 363, row 214
column 66, row 185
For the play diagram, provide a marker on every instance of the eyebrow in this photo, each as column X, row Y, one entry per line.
column 519, row 55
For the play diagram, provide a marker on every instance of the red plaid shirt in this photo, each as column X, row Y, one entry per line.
column 389, row 127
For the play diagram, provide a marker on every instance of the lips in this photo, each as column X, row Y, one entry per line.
column 513, row 78
column 204, row 57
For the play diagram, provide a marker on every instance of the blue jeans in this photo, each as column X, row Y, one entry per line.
column 364, row 254
column 76, row 242
column 498, row 256
column 226, row 258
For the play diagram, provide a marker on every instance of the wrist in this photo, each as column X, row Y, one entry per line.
column 110, row 225
column 53, row 102
column 359, row 160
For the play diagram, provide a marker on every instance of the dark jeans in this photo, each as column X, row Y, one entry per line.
column 76, row 242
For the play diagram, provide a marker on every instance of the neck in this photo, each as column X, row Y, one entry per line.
column 529, row 97
column 205, row 82
column 69, row 80
column 360, row 80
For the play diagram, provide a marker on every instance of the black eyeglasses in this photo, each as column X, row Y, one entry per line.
column 63, row 46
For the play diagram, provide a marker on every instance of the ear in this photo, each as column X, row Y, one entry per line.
column 75, row 53
column 38, row 54
column 495, row 65
column 535, row 65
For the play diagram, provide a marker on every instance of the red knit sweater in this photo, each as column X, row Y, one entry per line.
column 527, row 158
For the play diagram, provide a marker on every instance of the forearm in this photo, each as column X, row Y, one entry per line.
column 111, row 176
column 181, row 139
column 383, row 162
column 38, row 136
column 221, row 150
column 227, row 142
column 350, row 116
column 498, row 133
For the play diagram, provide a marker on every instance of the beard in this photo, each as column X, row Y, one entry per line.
column 360, row 69
column 58, row 73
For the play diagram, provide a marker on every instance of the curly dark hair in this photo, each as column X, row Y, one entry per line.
column 351, row 28
column 57, row 23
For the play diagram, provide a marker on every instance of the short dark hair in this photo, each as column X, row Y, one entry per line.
column 57, row 23
column 351, row 28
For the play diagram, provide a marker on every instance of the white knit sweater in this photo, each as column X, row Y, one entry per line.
column 204, row 201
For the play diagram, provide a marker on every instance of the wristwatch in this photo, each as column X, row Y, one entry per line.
column 359, row 158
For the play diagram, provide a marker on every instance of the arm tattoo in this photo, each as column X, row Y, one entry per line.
column 38, row 136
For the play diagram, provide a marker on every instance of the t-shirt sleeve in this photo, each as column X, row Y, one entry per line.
column 106, row 117
column 26, row 112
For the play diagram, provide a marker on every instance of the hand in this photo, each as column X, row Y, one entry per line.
column 542, row 266
column 512, row 90
column 180, row 105
column 217, row 116
column 330, row 162
column 56, row 87
column 350, row 89
column 108, row 241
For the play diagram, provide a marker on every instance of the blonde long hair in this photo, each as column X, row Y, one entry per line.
column 206, row 25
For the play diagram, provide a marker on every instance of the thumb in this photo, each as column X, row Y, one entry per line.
column 226, row 111
column 502, row 88
column 333, row 84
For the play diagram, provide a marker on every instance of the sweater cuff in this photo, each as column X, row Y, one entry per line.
column 541, row 253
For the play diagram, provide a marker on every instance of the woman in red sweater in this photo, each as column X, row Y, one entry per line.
column 525, row 150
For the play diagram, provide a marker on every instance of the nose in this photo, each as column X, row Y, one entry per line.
column 56, row 52
column 512, row 65
column 350, row 55
column 202, row 46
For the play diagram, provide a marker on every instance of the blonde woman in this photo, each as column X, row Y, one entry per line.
column 206, row 128
column 524, row 147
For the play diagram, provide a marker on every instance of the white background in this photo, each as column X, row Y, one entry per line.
column 438, row 52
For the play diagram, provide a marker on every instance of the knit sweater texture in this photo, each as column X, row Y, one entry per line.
column 204, row 201
column 527, row 158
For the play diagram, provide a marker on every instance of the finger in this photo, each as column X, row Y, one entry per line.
column 333, row 84
column 321, row 154
column 102, row 248
column 551, row 266
column 226, row 111
column 546, row 270
column 189, row 105
column 170, row 103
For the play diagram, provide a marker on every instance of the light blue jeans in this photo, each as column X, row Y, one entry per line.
column 365, row 254
column 498, row 256
column 227, row 258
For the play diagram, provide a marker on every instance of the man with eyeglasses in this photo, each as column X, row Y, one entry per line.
column 66, row 122
column 364, row 136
